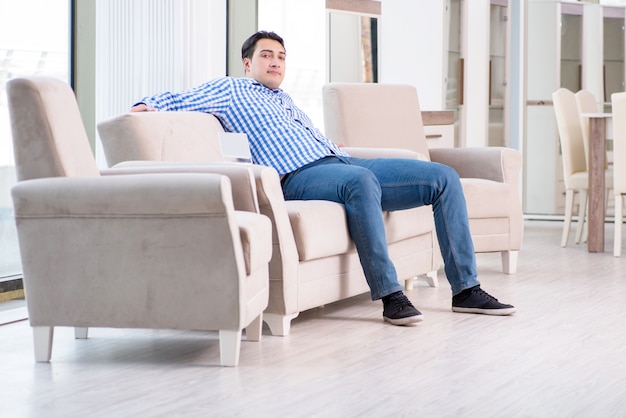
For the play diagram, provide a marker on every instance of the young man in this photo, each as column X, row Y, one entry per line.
column 312, row 167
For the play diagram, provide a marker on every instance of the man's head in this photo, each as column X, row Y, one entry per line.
column 263, row 56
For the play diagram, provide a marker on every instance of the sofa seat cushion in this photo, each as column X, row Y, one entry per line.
column 409, row 223
column 320, row 227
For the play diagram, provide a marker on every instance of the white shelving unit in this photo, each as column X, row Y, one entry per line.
column 575, row 45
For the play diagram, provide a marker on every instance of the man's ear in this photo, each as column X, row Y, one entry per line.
column 246, row 64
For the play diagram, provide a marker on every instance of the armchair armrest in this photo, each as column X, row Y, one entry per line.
column 359, row 152
column 118, row 196
column 240, row 175
column 268, row 197
column 499, row 164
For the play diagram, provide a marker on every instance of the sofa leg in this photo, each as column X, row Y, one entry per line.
column 230, row 346
column 408, row 283
column 279, row 324
column 431, row 278
column 509, row 261
column 80, row 333
column 42, row 338
column 255, row 329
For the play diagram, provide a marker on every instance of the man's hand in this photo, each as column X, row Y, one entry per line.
column 340, row 145
column 141, row 107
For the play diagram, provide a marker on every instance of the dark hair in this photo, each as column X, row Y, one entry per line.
column 247, row 49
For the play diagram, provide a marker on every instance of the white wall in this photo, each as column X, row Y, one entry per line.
column 413, row 51
column 302, row 25
column 412, row 48
column 475, row 110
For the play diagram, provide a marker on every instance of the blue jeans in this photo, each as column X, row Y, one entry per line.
column 366, row 187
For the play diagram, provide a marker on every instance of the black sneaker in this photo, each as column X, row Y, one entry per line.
column 476, row 300
column 398, row 310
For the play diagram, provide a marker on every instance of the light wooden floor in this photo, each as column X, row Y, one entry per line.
column 562, row 355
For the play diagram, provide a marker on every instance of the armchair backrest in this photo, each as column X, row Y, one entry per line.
column 374, row 115
column 49, row 138
column 161, row 136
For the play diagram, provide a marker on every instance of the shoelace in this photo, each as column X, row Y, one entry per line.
column 399, row 302
column 484, row 294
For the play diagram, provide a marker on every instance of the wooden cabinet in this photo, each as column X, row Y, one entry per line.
column 439, row 128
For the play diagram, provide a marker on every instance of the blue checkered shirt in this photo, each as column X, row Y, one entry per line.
column 280, row 135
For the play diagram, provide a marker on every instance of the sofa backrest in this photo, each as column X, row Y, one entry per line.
column 161, row 136
column 374, row 115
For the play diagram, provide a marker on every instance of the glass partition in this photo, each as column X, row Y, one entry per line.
column 454, row 79
column 497, row 73
column 571, row 50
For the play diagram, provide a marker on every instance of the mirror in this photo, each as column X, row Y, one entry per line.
column 352, row 47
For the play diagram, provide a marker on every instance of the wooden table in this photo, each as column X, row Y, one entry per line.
column 597, row 164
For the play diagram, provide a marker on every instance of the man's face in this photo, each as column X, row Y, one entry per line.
column 267, row 65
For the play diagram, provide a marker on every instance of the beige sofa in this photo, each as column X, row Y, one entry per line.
column 388, row 115
column 314, row 261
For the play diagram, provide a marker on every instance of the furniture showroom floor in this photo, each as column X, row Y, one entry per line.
column 562, row 355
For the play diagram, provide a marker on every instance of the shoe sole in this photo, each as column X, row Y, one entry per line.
column 495, row 312
column 405, row 321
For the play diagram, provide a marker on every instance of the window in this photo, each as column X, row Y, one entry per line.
column 34, row 40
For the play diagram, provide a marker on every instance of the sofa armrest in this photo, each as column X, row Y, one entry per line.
column 499, row 164
column 359, row 152
column 241, row 176
column 284, row 262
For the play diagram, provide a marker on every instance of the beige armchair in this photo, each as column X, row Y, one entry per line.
column 164, row 250
column 388, row 115
column 314, row 261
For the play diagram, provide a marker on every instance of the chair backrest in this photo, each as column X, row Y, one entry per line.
column 586, row 103
column 161, row 136
column 49, row 138
column 374, row 115
column 570, row 133
column 618, row 101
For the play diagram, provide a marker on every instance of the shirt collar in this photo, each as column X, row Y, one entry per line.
column 256, row 83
